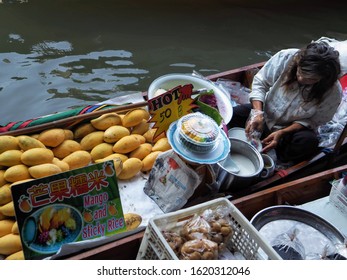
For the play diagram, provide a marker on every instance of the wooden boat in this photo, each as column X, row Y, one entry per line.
column 325, row 159
column 294, row 193
column 291, row 185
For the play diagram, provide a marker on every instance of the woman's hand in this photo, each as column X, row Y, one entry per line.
column 255, row 122
column 271, row 141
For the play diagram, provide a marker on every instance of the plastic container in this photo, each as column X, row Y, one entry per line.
column 170, row 81
column 245, row 238
column 198, row 132
column 338, row 196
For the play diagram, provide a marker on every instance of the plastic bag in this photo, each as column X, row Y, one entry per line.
column 196, row 228
column 171, row 182
column 220, row 224
column 256, row 122
column 341, row 250
column 330, row 132
column 199, row 249
column 327, row 253
column 288, row 246
column 238, row 93
column 174, row 240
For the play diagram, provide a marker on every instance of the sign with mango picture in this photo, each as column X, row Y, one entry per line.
column 72, row 206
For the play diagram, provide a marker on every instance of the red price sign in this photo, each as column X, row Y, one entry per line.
column 170, row 106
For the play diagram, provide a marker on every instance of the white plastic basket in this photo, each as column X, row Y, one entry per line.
column 338, row 199
column 245, row 238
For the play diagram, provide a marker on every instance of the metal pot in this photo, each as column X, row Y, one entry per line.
column 249, row 161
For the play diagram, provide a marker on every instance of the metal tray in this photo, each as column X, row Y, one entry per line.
column 284, row 212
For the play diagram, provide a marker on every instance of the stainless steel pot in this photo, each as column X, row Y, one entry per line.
column 249, row 161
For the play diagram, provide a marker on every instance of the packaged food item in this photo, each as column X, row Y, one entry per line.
column 220, row 224
column 196, row 228
column 198, row 132
column 174, row 240
column 171, row 181
column 199, row 249
column 288, row 246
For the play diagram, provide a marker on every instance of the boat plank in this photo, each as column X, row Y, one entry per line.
column 294, row 193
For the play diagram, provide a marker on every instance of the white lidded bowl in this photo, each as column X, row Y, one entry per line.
column 198, row 132
column 170, row 81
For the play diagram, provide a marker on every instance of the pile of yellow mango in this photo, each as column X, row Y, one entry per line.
column 127, row 139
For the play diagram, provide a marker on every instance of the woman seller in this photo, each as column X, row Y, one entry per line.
column 292, row 94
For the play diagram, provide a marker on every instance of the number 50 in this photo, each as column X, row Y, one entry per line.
column 165, row 115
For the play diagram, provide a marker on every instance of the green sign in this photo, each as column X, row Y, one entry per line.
column 72, row 206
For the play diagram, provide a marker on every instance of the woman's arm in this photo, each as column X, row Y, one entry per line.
column 273, row 139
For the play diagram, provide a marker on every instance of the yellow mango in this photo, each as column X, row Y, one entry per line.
column 149, row 135
column 141, row 128
column 142, row 151
column 92, row 139
column 61, row 164
column 114, row 133
column 8, row 142
column 67, row 147
column 69, row 135
column 17, row 173
column 37, row 156
column 118, row 166
column 6, row 227
column 112, row 157
column 10, row 157
column 36, row 136
column 10, row 244
column 20, row 182
column 140, row 137
column 161, row 145
column 3, row 217
column 2, row 178
column 78, row 159
column 83, row 130
column 132, row 220
column 134, row 117
column 149, row 160
column 15, row 228
column 101, row 151
column 5, row 194
column 26, row 142
column 7, row 210
column 126, row 144
column 52, row 137
column 106, row 120
column 15, row 256
column 131, row 167
column 44, row 170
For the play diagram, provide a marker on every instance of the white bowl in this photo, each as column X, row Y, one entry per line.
column 238, row 133
column 170, row 81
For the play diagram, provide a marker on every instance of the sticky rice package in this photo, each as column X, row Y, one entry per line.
column 171, row 182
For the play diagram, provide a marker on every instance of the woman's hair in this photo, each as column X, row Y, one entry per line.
column 317, row 60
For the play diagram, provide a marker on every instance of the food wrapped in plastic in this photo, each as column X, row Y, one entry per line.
column 255, row 122
column 174, row 240
column 341, row 250
column 196, row 228
column 220, row 224
column 328, row 252
column 199, row 249
column 198, row 132
column 288, row 246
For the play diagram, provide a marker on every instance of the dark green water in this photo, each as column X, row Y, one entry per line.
column 56, row 55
